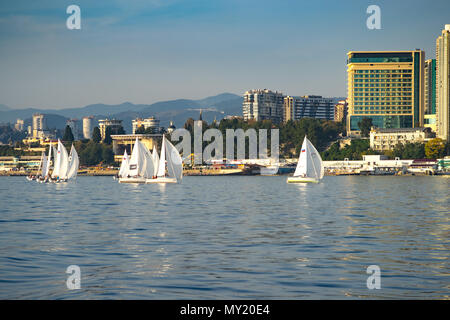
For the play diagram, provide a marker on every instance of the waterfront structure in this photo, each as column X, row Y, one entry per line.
column 387, row 139
column 87, row 127
column 386, row 86
column 149, row 123
column 122, row 142
column 38, row 125
column 309, row 106
column 340, row 110
column 113, row 124
column 263, row 104
column 370, row 164
column 9, row 162
column 443, row 84
column 19, row 126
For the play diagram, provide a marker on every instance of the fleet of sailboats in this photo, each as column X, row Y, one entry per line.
column 65, row 166
column 309, row 166
column 148, row 167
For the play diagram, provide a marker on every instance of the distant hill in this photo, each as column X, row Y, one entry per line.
column 178, row 111
column 173, row 110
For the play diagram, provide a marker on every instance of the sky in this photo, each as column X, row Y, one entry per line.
column 145, row 51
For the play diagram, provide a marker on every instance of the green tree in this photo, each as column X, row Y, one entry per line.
column 435, row 148
column 108, row 132
column 409, row 150
column 107, row 154
column 92, row 154
column 96, row 136
column 365, row 125
column 68, row 135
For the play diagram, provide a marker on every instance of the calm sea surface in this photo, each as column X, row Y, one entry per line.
column 226, row 238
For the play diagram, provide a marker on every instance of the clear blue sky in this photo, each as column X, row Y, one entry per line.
column 151, row 50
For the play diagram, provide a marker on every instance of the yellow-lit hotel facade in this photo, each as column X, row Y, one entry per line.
column 386, row 86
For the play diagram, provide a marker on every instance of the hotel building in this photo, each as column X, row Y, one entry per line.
column 74, row 126
column 87, row 127
column 387, row 139
column 340, row 110
column 38, row 125
column 147, row 123
column 317, row 107
column 115, row 126
column 386, row 86
column 443, row 84
column 263, row 104
column 430, row 94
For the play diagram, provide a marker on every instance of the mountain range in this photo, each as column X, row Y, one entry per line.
column 177, row 111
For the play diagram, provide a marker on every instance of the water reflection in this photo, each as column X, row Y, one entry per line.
column 226, row 238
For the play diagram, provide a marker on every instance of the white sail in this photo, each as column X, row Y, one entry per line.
column 64, row 161
column 148, row 168
column 302, row 164
column 316, row 161
column 49, row 159
column 174, row 161
column 74, row 163
column 123, row 172
column 57, row 161
column 44, row 170
column 309, row 163
column 162, row 160
column 155, row 161
column 138, row 164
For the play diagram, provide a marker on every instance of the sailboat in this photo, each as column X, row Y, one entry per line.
column 46, row 166
column 42, row 164
column 65, row 166
column 170, row 158
column 74, row 163
column 309, row 166
column 123, row 166
column 139, row 167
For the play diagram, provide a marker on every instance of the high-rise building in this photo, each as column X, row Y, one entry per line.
column 387, row 87
column 19, row 126
column 443, row 84
column 317, row 107
column 74, row 126
column 38, row 125
column 148, row 123
column 263, row 104
column 114, row 124
column 430, row 94
column 87, row 127
column 340, row 110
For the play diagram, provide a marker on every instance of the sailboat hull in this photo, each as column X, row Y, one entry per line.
column 132, row 180
column 162, row 180
column 302, row 180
